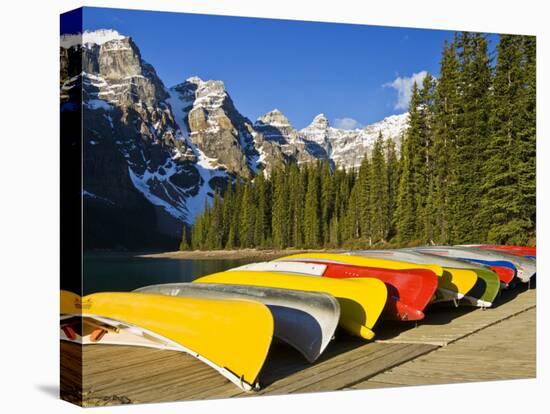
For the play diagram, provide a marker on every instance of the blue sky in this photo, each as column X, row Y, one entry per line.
column 354, row 72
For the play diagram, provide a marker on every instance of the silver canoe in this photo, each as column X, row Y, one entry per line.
column 304, row 320
column 525, row 268
column 412, row 256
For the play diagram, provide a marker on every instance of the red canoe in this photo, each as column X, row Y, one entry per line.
column 515, row 250
column 409, row 291
column 505, row 274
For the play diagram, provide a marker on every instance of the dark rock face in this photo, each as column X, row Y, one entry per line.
column 134, row 191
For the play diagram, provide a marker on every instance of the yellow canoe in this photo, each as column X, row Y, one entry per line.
column 361, row 300
column 232, row 336
column 452, row 282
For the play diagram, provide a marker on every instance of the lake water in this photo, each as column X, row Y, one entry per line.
column 123, row 273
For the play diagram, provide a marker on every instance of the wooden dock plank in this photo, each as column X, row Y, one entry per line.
column 444, row 326
column 503, row 351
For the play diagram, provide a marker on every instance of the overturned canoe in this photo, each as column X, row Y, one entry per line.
column 409, row 291
column 232, row 336
column 92, row 330
column 451, row 285
column 529, row 252
column 482, row 293
column 361, row 300
column 414, row 256
column 304, row 320
column 525, row 268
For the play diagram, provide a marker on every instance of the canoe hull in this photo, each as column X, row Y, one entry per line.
column 409, row 291
column 304, row 320
column 455, row 283
column 361, row 302
column 197, row 326
column 525, row 268
column 530, row 252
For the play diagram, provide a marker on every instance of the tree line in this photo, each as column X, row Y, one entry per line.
column 465, row 172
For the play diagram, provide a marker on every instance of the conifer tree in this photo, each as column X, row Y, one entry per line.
column 472, row 136
column 392, row 174
column 247, row 219
column 261, row 225
column 312, row 211
column 327, row 200
column 215, row 225
column 528, row 140
column 379, row 201
column 505, row 170
column 362, row 210
column 184, row 244
column 279, row 215
column 444, row 141
column 424, row 170
column 296, row 203
column 406, row 196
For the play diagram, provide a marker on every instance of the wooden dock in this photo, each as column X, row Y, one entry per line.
column 449, row 346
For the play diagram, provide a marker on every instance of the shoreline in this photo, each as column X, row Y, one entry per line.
column 266, row 254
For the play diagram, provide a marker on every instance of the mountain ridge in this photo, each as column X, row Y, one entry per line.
column 166, row 151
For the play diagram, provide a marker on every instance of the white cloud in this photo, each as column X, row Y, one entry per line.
column 347, row 123
column 403, row 86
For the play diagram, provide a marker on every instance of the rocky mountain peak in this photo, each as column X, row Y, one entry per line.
column 274, row 118
column 319, row 122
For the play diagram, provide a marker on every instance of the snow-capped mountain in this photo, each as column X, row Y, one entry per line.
column 346, row 148
column 153, row 156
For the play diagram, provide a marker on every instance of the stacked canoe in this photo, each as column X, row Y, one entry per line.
column 229, row 319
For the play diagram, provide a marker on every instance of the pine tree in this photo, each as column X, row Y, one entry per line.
column 215, row 225
column 472, row 136
column 312, row 211
column 363, row 207
column 261, row 232
column 424, row 172
column 392, row 174
column 327, row 201
column 406, row 196
column 296, row 201
column 247, row 217
column 444, row 141
column 528, row 140
column 184, row 244
column 351, row 227
column 279, row 215
column 379, row 197
column 334, row 232
column 506, row 167
column 235, row 204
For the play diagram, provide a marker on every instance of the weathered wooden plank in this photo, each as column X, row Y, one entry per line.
column 347, row 368
column 505, row 350
column 367, row 369
column 443, row 326
column 373, row 385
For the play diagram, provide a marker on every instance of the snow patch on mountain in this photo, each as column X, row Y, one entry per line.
column 207, row 167
column 88, row 38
